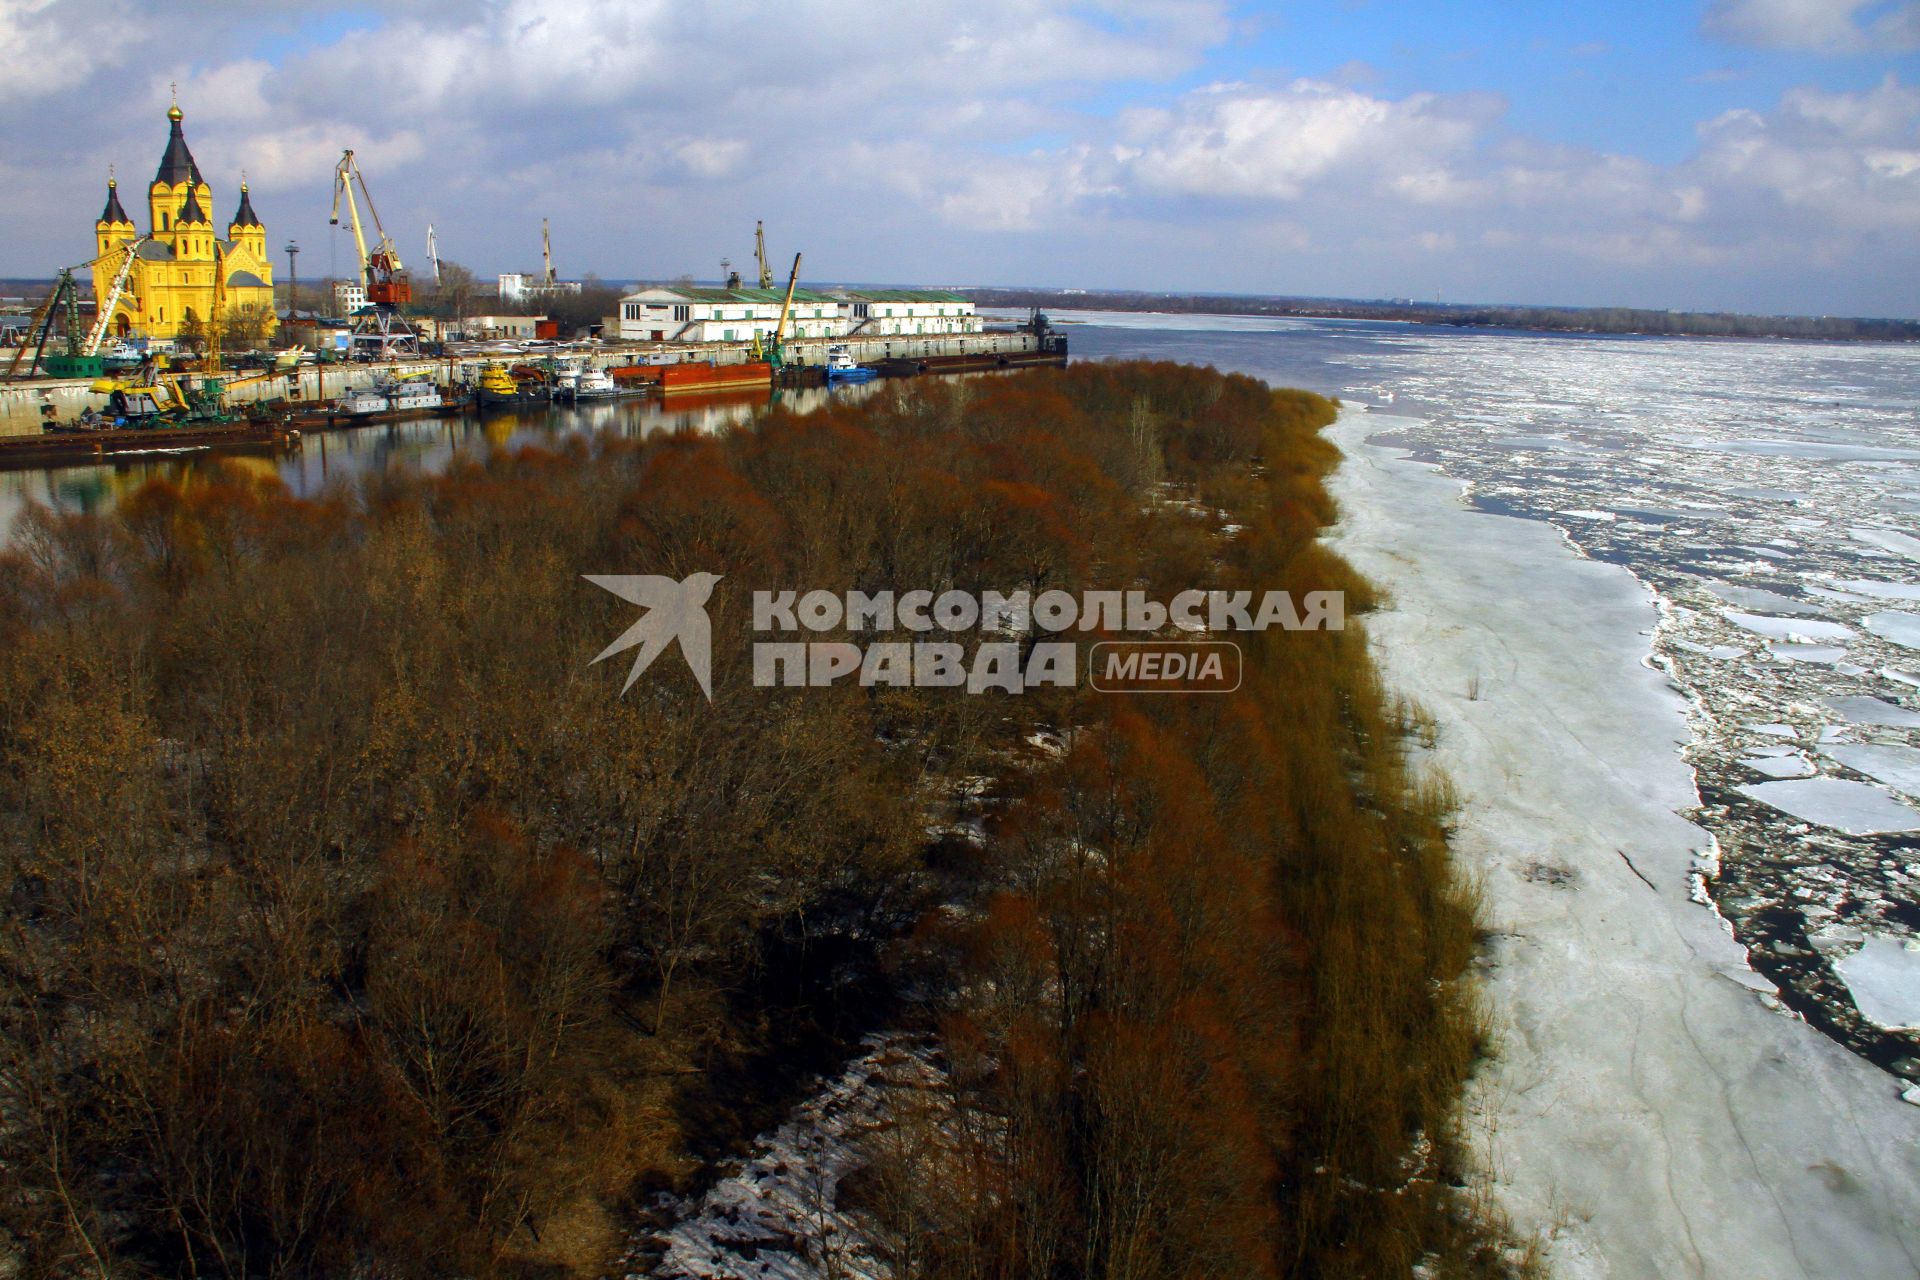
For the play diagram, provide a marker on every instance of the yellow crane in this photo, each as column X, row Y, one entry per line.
column 775, row 355
column 217, row 322
column 380, row 268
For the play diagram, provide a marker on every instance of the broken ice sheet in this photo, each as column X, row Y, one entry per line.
column 1857, row 808
column 1901, row 628
column 1895, row 765
column 1824, row 655
column 1763, row 600
column 1877, row 711
column 1791, row 765
column 1884, row 978
column 1794, row 629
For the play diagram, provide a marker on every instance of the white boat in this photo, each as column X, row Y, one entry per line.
column 578, row 380
column 123, row 355
column 390, row 398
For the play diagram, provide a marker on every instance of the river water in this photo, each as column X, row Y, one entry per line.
column 1767, row 494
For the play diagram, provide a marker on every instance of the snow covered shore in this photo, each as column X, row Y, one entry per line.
column 1648, row 1109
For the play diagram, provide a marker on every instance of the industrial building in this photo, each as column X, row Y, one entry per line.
column 885, row 312
column 692, row 313
column 518, row 286
column 696, row 313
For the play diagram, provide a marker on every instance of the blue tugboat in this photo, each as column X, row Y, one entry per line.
column 841, row 367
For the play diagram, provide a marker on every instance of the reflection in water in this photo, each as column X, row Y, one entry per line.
column 338, row 457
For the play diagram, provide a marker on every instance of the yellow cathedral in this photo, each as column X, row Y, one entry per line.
column 172, row 277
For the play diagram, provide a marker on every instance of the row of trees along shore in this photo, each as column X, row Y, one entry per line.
column 356, row 925
column 1594, row 320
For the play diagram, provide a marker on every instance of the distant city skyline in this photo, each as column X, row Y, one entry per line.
column 1752, row 155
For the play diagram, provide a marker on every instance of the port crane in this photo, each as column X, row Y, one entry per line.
column 546, row 254
column 379, row 327
column 760, row 254
column 64, row 303
column 433, row 255
column 128, row 253
column 772, row 351
column 62, row 300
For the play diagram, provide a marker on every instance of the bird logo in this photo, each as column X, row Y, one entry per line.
column 674, row 611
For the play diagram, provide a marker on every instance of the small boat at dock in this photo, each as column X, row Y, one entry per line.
column 582, row 381
column 390, row 398
column 521, row 384
column 841, row 367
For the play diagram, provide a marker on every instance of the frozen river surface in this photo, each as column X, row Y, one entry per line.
column 1769, row 494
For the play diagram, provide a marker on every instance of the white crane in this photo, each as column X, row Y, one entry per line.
column 433, row 255
column 546, row 252
column 128, row 252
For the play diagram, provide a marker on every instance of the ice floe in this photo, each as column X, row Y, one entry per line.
column 1890, row 624
column 1804, row 630
column 1883, row 977
column 1865, row 709
column 1853, row 807
column 1892, row 763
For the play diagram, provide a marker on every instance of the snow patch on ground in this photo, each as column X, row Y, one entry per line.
column 778, row 1216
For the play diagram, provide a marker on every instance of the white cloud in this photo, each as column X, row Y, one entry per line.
column 944, row 139
column 1818, row 26
column 1230, row 140
column 40, row 49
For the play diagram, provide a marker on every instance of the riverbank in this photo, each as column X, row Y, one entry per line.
column 1645, row 1110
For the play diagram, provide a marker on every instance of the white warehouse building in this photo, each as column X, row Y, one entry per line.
column 695, row 313
column 908, row 311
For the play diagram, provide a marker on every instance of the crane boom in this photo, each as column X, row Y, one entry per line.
column 380, row 268
column 775, row 356
column 218, row 320
column 546, row 250
column 42, row 321
column 343, row 185
column 760, row 252
column 130, row 251
column 433, row 254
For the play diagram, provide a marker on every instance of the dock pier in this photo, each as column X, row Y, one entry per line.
column 20, row 402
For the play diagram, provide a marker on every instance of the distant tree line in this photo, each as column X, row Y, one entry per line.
column 1609, row 320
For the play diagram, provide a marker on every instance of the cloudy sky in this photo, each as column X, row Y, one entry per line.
column 1743, row 154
